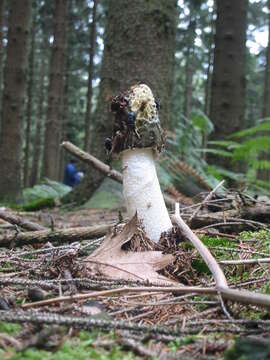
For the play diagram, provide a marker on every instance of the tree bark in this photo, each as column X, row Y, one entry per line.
column 39, row 124
column 11, row 140
column 29, row 105
column 56, row 82
column 19, row 221
column 228, row 83
column 59, row 236
column 66, row 88
column 265, row 174
column 189, row 67
column 209, row 72
column 139, row 46
column 90, row 77
column 2, row 8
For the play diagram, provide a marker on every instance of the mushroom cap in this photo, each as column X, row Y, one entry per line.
column 136, row 121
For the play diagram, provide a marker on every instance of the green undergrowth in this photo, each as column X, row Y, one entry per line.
column 41, row 196
column 9, row 328
column 198, row 264
column 262, row 236
column 79, row 347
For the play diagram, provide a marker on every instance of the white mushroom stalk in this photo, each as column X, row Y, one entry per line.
column 142, row 192
column 138, row 137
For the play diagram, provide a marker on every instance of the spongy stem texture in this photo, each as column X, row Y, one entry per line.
column 142, row 192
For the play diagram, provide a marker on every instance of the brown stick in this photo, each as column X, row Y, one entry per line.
column 99, row 165
column 208, row 197
column 203, row 250
column 93, row 161
column 118, row 291
column 245, row 261
column 246, row 297
column 17, row 220
column 59, row 236
column 246, row 215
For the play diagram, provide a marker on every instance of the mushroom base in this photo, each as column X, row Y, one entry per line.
column 142, row 192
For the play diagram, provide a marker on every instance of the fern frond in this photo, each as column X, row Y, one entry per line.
column 220, row 173
column 254, row 146
column 227, row 144
column 265, row 126
column 260, row 164
column 218, row 152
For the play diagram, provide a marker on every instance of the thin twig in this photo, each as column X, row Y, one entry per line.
column 204, row 252
column 208, row 197
column 245, row 261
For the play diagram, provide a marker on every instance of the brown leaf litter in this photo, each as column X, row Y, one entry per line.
column 111, row 260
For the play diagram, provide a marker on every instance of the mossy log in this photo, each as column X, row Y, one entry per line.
column 57, row 236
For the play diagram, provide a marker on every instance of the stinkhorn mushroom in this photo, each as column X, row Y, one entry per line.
column 138, row 138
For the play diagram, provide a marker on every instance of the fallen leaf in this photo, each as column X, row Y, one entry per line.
column 112, row 261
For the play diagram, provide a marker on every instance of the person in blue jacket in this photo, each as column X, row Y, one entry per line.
column 71, row 175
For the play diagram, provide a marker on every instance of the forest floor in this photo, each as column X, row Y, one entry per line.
column 129, row 324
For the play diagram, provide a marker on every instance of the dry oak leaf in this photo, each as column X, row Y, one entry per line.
column 110, row 260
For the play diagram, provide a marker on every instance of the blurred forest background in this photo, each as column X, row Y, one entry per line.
column 207, row 61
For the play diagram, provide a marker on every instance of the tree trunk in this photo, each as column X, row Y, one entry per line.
column 228, row 83
column 66, row 84
column 209, row 72
column 56, row 82
column 2, row 8
column 139, row 46
column 189, row 67
column 29, row 105
column 11, row 140
column 39, row 123
column 265, row 174
column 90, row 77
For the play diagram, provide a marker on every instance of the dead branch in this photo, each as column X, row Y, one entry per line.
column 208, row 197
column 59, row 236
column 121, row 291
column 89, row 323
column 245, row 261
column 258, row 213
column 203, row 250
column 93, row 161
column 99, row 165
column 17, row 220
column 241, row 296
column 246, row 297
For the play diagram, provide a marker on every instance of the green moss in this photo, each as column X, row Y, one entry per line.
column 39, row 204
column 200, row 266
column 78, row 348
column 216, row 241
column 8, row 328
column 262, row 235
column 175, row 345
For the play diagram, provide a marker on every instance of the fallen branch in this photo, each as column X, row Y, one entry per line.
column 93, row 161
column 121, row 291
column 17, row 220
column 245, row 261
column 99, row 165
column 246, row 297
column 89, row 323
column 202, row 249
column 59, row 236
column 241, row 296
column 208, row 197
column 256, row 215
